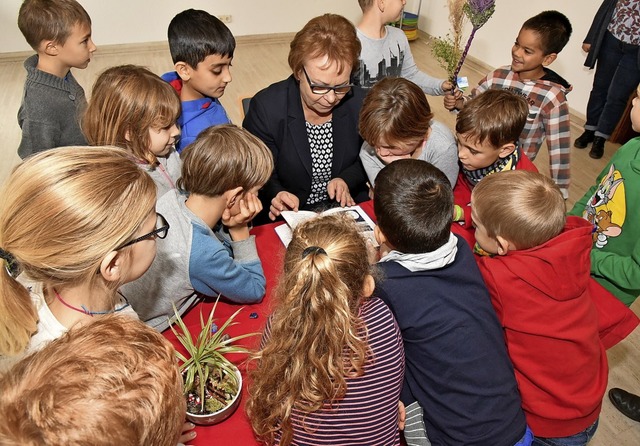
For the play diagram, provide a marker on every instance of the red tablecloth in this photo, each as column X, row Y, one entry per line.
column 236, row 430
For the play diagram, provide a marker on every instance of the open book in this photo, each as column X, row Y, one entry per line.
column 292, row 218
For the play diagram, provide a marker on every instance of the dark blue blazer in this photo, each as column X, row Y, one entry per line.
column 276, row 117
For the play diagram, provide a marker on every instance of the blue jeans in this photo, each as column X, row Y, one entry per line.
column 617, row 75
column 579, row 439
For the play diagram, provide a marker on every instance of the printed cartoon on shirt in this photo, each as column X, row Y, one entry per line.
column 606, row 209
column 389, row 66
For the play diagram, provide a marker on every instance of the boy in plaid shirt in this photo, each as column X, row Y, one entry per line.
column 540, row 40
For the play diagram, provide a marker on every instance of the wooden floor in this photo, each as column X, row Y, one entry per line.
column 259, row 62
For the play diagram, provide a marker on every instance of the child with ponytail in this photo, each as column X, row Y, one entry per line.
column 331, row 364
column 75, row 224
column 134, row 109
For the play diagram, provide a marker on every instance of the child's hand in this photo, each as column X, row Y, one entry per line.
column 283, row 201
column 248, row 207
column 187, row 433
column 453, row 101
column 339, row 191
column 447, row 86
column 402, row 415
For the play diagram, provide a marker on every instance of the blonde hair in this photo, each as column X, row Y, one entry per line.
column 316, row 336
column 114, row 381
column 524, row 207
column 126, row 102
column 222, row 158
column 61, row 212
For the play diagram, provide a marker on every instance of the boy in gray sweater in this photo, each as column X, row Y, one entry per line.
column 52, row 101
column 208, row 250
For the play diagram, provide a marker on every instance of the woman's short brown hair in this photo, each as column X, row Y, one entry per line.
column 395, row 109
column 328, row 35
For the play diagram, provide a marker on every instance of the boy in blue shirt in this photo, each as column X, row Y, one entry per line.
column 53, row 102
column 457, row 367
column 202, row 49
column 208, row 250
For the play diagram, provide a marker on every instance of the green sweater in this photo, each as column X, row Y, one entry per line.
column 609, row 205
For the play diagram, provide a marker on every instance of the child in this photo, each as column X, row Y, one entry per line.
column 114, row 381
column 458, row 370
column 53, row 101
column 134, row 109
column 222, row 172
column 487, row 129
column 75, row 224
column 540, row 40
column 331, row 362
column 202, row 49
column 396, row 122
column 610, row 205
column 386, row 50
column 539, row 283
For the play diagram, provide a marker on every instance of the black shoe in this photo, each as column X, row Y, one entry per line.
column 585, row 139
column 625, row 402
column 597, row 149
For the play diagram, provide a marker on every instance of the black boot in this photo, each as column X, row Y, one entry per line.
column 584, row 140
column 625, row 402
column 597, row 149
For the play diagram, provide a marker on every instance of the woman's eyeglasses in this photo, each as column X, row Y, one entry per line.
column 161, row 231
column 324, row 89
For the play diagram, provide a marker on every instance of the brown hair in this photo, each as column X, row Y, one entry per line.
column 53, row 20
column 222, row 158
column 365, row 4
column 395, row 109
column 413, row 202
column 496, row 116
column 328, row 35
column 61, row 212
column 526, row 208
column 114, row 381
column 316, row 337
column 126, row 102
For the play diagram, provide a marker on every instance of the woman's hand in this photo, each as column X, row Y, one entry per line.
column 281, row 202
column 339, row 191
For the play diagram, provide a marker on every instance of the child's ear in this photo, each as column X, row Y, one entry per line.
column 506, row 150
column 111, row 266
column 50, row 48
column 233, row 196
column 503, row 245
column 380, row 237
column 549, row 58
column 369, row 286
column 184, row 70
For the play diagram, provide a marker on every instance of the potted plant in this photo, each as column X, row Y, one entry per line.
column 212, row 383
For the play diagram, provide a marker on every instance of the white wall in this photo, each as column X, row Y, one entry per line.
column 493, row 42
column 133, row 21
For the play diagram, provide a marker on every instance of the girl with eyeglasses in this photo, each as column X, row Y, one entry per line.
column 310, row 122
column 75, row 224
column 134, row 109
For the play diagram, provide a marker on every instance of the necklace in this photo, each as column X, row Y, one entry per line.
column 84, row 309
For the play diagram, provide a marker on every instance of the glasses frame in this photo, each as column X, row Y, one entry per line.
column 324, row 89
column 160, row 232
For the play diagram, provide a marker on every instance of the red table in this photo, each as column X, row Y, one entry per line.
column 236, row 430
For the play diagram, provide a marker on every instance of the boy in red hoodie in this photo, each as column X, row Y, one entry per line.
column 540, row 285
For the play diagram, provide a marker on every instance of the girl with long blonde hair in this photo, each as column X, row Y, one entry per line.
column 75, row 224
column 134, row 109
column 331, row 364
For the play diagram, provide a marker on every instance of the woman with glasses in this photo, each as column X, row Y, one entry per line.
column 310, row 122
column 75, row 224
